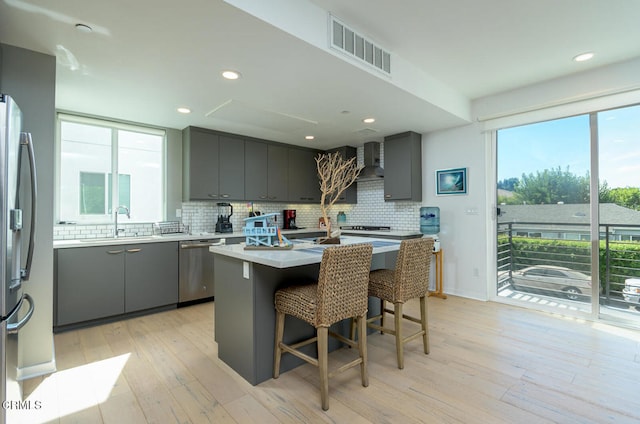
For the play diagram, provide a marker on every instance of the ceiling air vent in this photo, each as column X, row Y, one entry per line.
column 355, row 45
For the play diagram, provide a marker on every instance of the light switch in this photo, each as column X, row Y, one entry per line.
column 245, row 270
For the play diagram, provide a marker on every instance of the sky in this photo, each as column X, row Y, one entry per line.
column 565, row 143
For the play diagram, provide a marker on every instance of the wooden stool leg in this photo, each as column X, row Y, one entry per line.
column 323, row 353
column 382, row 313
column 352, row 334
column 398, row 328
column 362, row 347
column 277, row 351
column 424, row 323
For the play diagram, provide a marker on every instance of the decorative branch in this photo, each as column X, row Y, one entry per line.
column 336, row 175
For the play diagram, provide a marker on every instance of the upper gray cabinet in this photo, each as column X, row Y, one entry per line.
column 403, row 167
column 213, row 165
column 200, row 151
column 266, row 171
column 350, row 195
column 304, row 185
column 231, row 168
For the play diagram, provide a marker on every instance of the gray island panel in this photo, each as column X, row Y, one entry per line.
column 244, row 309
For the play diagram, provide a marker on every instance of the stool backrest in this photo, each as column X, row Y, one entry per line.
column 412, row 268
column 343, row 283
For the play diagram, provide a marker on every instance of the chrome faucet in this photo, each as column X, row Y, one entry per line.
column 116, row 230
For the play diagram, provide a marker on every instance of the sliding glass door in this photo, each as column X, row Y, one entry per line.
column 544, row 218
column 618, row 134
column 554, row 252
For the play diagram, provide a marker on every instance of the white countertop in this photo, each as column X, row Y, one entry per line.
column 304, row 252
column 383, row 234
column 111, row 241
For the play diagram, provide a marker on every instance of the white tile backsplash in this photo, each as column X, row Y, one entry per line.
column 201, row 217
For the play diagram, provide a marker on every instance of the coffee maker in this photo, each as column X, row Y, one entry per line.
column 223, row 225
column 289, row 219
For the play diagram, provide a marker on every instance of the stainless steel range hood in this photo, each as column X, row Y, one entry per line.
column 372, row 170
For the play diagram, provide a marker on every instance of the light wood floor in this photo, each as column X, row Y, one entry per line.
column 489, row 363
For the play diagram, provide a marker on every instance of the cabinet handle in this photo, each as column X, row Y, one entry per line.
column 263, row 197
column 387, row 196
column 114, row 252
column 224, row 196
column 212, row 195
column 133, row 250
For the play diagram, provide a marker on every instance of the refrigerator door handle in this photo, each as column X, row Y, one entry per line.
column 25, row 140
column 15, row 327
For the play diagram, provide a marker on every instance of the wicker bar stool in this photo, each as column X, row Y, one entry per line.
column 409, row 280
column 341, row 292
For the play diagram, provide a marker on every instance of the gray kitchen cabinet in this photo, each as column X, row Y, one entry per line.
column 266, row 171
column 277, row 175
column 350, row 195
column 151, row 275
column 90, row 283
column 212, row 165
column 200, row 150
column 106, row 281
column 255, row 170
column 231, row 168
column 403, row 167
column 304, row 185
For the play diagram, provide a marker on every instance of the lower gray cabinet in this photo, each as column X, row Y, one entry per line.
column 106, row 281
column 90, row 283
column 151, row 276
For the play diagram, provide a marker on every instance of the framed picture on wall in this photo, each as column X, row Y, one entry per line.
column 451, row 181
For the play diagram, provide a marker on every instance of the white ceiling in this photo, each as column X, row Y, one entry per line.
column 145, row 58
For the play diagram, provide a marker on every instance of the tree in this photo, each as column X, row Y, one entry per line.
column 336, row 175
column 508, row 184
column 553, row 186
column 629, row 197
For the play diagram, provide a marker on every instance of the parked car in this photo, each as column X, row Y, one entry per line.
column 556, row 279
column 631, row 291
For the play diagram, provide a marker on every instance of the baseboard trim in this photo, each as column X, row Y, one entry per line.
column 37, row 370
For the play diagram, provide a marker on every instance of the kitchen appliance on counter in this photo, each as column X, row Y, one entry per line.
column 289, row 219
column 196, row 270
column 12, row 140
column 225, row 211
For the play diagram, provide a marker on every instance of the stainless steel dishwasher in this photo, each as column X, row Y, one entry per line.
column 196, row 270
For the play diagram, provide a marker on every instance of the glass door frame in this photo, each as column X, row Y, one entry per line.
column 594, row 225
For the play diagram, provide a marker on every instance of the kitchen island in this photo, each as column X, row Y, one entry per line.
column 245, row 284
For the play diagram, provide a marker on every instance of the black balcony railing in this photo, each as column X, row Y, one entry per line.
column 524, row 244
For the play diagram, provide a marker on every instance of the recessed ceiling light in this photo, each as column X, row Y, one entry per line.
column 583, row 57
column 231, row 75
column 309, row 137
column 84, row 28
column 369, row 120
column 184, row 110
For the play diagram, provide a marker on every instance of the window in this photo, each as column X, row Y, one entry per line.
column 103, row 165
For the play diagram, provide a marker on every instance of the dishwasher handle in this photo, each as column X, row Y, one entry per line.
column 222, row 242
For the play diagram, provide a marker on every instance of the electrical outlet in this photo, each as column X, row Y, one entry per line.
column 245, row 270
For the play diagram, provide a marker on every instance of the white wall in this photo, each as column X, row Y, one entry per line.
column 467, row 237
column 463, row 218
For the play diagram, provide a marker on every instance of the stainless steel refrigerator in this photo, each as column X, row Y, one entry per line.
column 17, row 200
